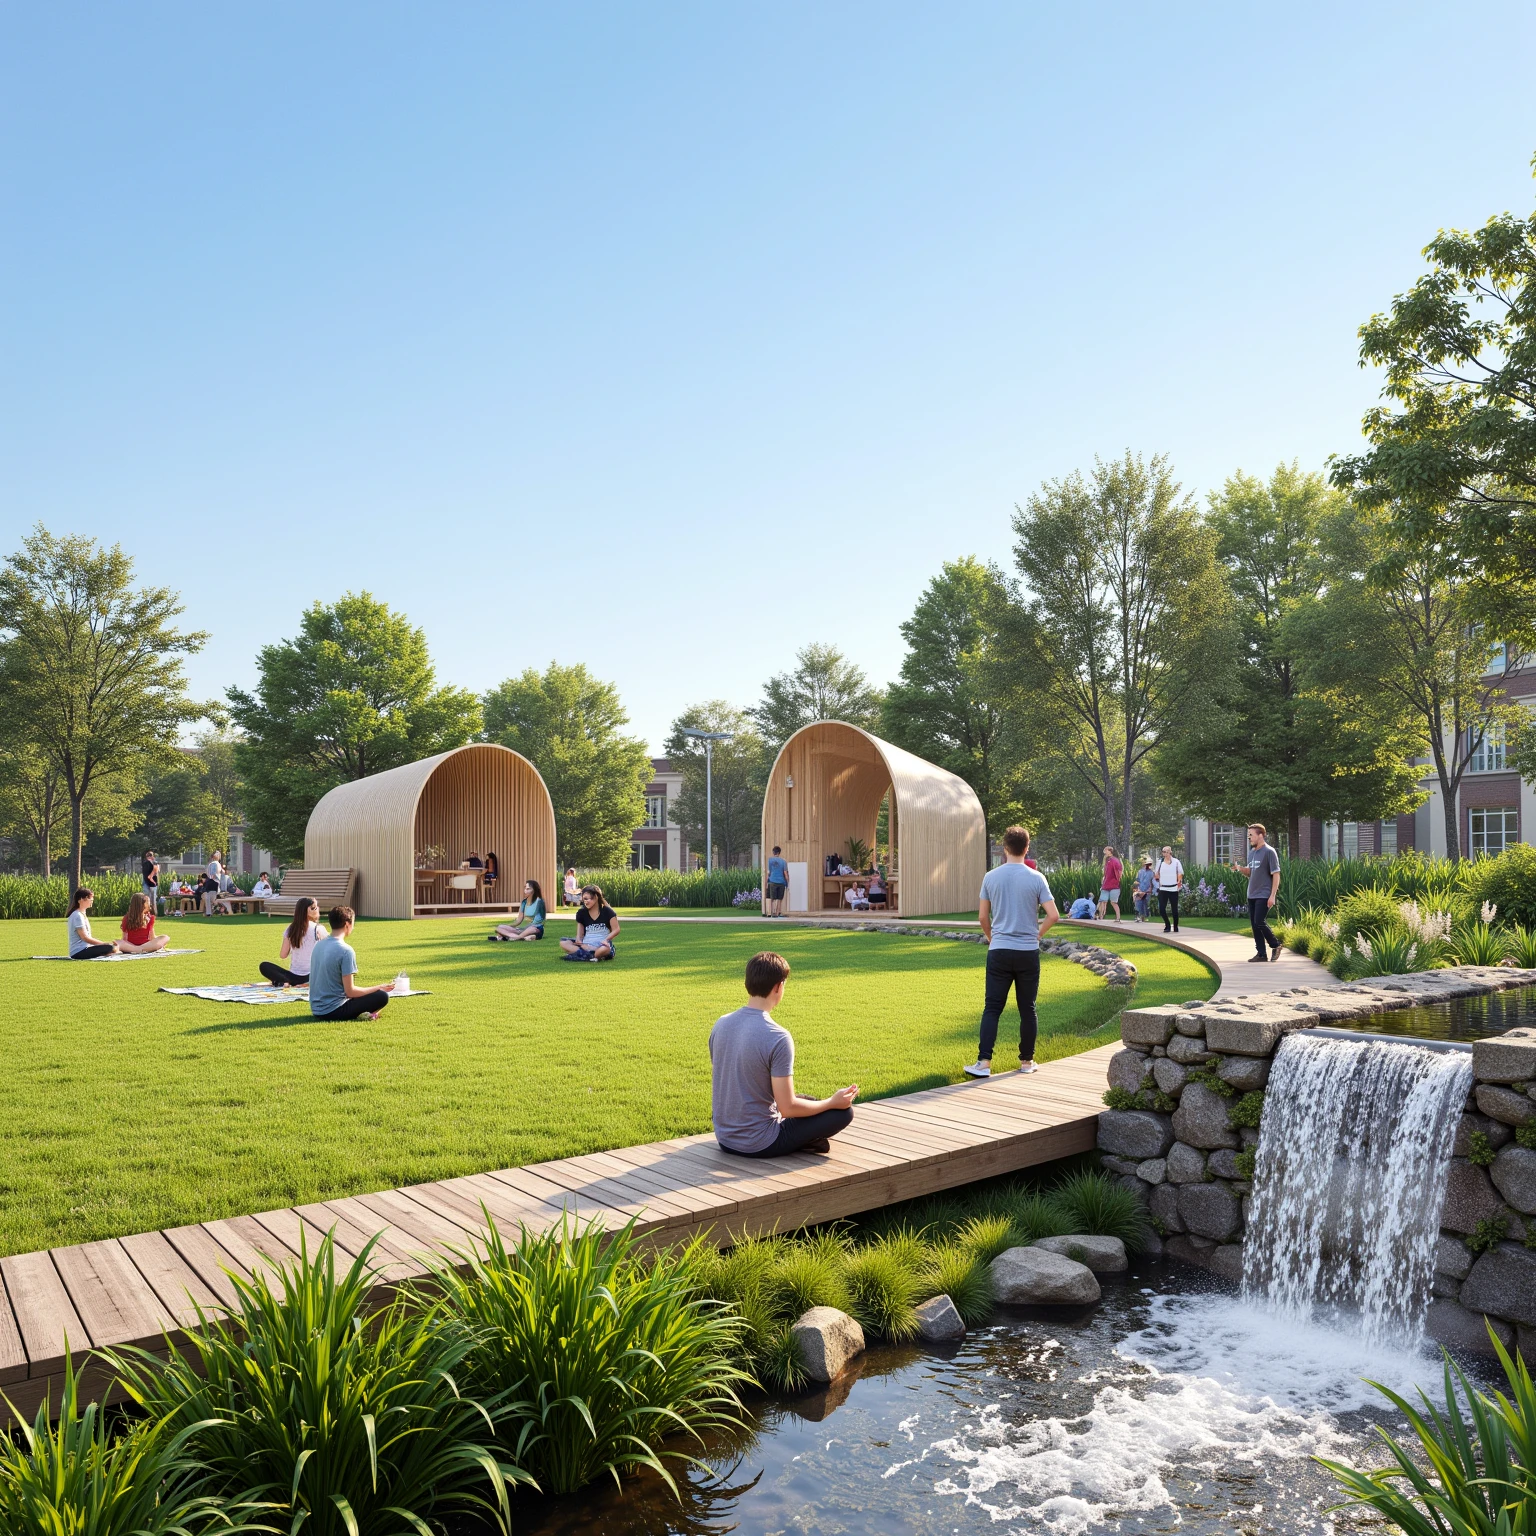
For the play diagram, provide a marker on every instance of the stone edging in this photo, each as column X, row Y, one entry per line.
column 1115, row 969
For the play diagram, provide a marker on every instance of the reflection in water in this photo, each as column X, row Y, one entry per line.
column 1172, row 1406
column 1465, row 1018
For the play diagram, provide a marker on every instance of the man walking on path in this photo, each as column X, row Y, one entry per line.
column 1169, row 876
column 1011, row 898
column 1263, row 887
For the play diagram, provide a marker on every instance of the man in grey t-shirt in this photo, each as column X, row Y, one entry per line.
column 1263, row 868
column 1011, row 898
column 755, row 1108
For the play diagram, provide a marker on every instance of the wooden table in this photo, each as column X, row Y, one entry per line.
column 838, row 885
column 423, row 874
column 241, row 903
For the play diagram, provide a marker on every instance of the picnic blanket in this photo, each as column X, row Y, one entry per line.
column 155, row 954
column 262, row 992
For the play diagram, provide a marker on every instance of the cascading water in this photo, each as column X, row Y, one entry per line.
column 1353, row 1154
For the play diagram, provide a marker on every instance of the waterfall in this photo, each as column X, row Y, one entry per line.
column 1354, row 1149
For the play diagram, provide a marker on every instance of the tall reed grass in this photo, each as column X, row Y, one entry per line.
column 672, row 887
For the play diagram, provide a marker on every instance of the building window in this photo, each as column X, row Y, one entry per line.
column 1389, row 838
column 645, row 855
column 1493, row 828
column 655, row 811
column 1488, row 754
column 1223, row 842
column 1346, row 846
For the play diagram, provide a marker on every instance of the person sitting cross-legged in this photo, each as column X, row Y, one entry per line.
column 334, row 993
column 755, row 1108
column 597, row 926
column 139, row 936
column 532, row 913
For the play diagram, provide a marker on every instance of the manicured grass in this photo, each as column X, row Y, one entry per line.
column 127, row 1108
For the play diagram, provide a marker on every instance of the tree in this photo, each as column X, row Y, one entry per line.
column 1456, row 460
column 825, row 685
column 1399, row 642
column 568, row 724
column 216, row 753
column 176, row 809
column 740, row 775
column 945, row 706
column 31, row 798
column 352, row 694
column 1119, row 625
column 92, row 666
column 1274, row 745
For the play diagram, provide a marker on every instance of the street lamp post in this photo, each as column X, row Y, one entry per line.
column 709, row 738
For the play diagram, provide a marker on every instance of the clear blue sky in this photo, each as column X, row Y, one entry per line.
column 669, row 338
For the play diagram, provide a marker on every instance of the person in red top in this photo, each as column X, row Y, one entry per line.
column 1109, row 889
column 139, row 936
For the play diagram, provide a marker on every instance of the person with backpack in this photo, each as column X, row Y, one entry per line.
column 1168, row 875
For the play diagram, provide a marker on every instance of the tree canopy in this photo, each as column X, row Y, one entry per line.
column 352, row 694
column 824, row 685
column 740, row 775
column 569, row 725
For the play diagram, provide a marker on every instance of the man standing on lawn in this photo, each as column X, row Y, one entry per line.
column 778, row 882
column 1011, row 898
column 1263, row 888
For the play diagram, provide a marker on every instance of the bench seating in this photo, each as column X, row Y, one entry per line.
column 329, row 887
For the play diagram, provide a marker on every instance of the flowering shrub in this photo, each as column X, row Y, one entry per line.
column 1202, row 901
column 752, row 898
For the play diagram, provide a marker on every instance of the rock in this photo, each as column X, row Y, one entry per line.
column 1159, row 1051
column 1495, row 1130
column 1506, row 1058
column 1185, row 1165
column 1188, row 1024
column 1250, row 1136
column 1244, row 1072
column 1254, row 1035
column 1514, row 1176
column 1135, row 1133
column 1447, row 1287
column 1505, row 1104
column 1191, row 1250
column 1503, row 1282
column 1224, row 1163
column 1151, row 1246
column 1451, row 1324
column 1186, row 1051
column 826, row 1341
column 1127, row 1070
column 938, row 1322
column 1132, row 1184
column 1028, row 1277
column 1169, row 1075
column 1103, row 1255
column 1163, row 1206
column 1525, row 1342
column 1210, row 1210
column 1146, row 1026
column 1153, row 1171
column 1227, row 1261
column 1452, row 1258
column 1469, row 1198
column 1118, row 1164
column 1201, row 1119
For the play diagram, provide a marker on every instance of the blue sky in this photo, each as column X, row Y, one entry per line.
column 671, row 338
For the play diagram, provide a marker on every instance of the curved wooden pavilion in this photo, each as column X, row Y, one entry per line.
column 827, row 785
column 475, row 799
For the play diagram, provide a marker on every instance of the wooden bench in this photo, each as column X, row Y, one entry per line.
column 329, row 887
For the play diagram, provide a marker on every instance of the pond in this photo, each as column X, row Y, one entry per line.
column 1172, row 1406
column 1466, row 1018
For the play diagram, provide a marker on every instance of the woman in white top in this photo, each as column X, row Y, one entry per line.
column 299, row 940
column 82, row 946
column 263, row 886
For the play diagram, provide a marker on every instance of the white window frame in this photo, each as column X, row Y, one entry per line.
column 1389, row 837
column 1223, row 842
column 639, row 851
column 1488, row 755
column 655, row 812
column 1491, row 829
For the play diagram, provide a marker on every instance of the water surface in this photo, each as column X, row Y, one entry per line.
column 1465, row 1018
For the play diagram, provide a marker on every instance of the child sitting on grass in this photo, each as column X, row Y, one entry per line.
column 139, row 936
column 597, row 926
column 755, row 1108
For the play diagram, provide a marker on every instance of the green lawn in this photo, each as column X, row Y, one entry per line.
column 127, row 1109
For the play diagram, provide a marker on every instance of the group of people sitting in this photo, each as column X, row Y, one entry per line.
column 597, row 924
column 137, row 929
column 326, row 964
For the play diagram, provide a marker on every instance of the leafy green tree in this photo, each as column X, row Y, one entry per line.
column 31, row 798
column 91, row 666
column 175, row 810
column 352, row 694
column 1120, row 624
column 569, row 725
column 825, row 685
column 945, row 706
column 1452, row 456
column 1272, row 745
column 740, row 776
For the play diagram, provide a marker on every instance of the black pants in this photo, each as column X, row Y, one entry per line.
column 1168, row 901
column 92, row 952
column 356, row 1007
column 1019, row 969
column 1258, row 917
column 279, row 977
column 800, row 1132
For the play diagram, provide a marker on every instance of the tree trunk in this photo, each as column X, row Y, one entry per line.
column 1452, row 820
column 76, row 840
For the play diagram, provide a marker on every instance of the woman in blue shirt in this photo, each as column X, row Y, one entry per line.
column 532, row 914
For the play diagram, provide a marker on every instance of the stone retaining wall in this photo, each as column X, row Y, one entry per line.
column 1198, row 1071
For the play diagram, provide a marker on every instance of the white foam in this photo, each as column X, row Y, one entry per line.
column 1208, row 1383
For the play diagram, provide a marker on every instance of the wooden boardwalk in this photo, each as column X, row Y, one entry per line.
column 135, row 1290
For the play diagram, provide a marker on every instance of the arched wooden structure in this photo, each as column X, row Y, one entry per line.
column 477, row 798
column 827, row 785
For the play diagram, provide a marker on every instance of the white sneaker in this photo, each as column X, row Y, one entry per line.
column 1028, row 1066
column 979, row 1069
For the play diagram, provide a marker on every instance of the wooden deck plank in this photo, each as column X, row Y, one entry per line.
column 115, row 1302
column 45, row 1316
column 180, row 1288
column 207, row 1260
column 13, row 1352
column 402, row 1250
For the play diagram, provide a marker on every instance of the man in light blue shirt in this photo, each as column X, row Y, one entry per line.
column 777, row 883
column 334, row 992
column 1011, row 898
